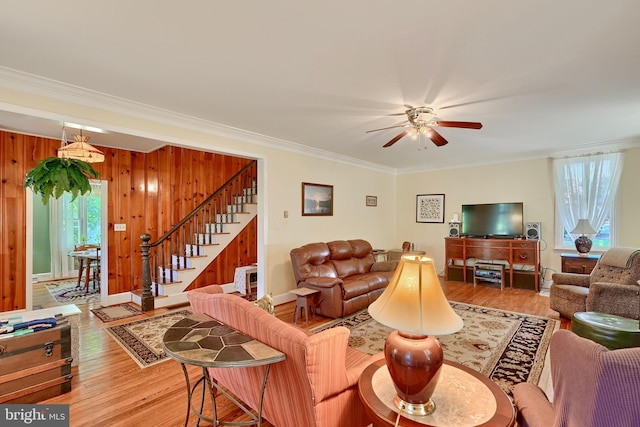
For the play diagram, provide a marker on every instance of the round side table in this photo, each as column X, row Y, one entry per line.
column 463, row 397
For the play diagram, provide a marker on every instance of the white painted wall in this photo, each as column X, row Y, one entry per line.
column 386, row 225
column 529, row 181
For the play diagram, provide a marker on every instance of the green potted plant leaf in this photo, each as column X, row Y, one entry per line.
column 54, row 176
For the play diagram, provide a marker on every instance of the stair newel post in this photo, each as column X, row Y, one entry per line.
column 147, row 301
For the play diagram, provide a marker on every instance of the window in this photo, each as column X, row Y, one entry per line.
column 585, row 188
column 73, row 223
column 604, row 239
column 86, row 214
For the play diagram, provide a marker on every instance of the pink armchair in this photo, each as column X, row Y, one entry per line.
column 315, row 386
column 592, row 387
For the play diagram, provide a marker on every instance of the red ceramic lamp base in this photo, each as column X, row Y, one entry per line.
column 414, row 363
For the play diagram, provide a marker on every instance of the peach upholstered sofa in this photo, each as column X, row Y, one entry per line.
column 317, row 383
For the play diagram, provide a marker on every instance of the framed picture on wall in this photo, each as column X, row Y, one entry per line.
column 317, row 199
column 430, row 208
column 372, row 200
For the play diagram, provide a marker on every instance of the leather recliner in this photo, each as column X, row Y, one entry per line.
column 344, row 271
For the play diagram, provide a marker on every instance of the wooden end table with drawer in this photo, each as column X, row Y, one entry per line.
column 575, row 263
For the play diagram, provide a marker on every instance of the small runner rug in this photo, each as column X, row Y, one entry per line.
column 507, row 347
column 142, row 339
column 67, row 292
column 116, row 312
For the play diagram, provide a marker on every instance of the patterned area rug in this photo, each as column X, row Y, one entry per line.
column 67, row 292
column 116, row 312
column 142, row 339
column 507, row 347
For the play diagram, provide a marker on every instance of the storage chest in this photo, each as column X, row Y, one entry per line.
column 36, row 366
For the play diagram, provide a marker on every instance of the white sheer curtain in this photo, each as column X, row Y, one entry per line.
column 585, row 187
column 61, row 236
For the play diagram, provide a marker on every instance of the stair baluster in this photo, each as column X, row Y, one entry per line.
column 164, row 257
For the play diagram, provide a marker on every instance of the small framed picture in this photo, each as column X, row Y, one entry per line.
column 372, row 200
column 430, row 208
column 317, row 199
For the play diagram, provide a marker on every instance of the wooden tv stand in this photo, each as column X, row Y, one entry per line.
column 513, row 251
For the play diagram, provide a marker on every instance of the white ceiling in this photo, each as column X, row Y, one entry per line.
column 545, row 78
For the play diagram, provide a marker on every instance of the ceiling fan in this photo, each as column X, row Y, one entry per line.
column 421, row 121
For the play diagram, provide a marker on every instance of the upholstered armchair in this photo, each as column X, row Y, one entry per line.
column 592, row 387
column 612, row 287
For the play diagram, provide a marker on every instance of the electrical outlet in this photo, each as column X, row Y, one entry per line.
column 119, row 227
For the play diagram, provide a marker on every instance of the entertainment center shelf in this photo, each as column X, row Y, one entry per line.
column 515, row 252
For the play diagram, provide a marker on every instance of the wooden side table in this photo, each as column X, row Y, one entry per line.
column 462, row 397
column 202, row 341
column 574, row 263
column 305, row 300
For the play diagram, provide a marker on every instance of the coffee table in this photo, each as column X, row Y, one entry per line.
column 463, row 397
column 202, row 341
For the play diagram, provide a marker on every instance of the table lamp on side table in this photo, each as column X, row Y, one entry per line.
column 583, row 242
column 415, row 305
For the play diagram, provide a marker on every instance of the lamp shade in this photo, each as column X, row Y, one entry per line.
column 80, row 150
column 414, row 302
column 583, row 227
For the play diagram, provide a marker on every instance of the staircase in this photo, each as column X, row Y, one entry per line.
column 176, row 259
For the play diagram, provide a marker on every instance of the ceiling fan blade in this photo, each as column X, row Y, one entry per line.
column 395, row 139
column 465, row 125
column 437, row 138
column 390, row 127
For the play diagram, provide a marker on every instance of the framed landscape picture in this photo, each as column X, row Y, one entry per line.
column 430, row 208
column 317, row 199
column 372, row 200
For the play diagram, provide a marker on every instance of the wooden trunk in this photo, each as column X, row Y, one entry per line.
column 36, row 366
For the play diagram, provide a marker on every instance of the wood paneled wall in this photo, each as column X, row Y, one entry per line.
column 147, row 192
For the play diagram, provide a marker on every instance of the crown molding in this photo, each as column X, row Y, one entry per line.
column 41, row 86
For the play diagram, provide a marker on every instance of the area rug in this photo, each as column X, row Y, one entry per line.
column 507, row 347
column 67, row 292
column 116, row 312
column 142, row 339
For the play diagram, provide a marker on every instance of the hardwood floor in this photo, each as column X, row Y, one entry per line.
column 109, row 389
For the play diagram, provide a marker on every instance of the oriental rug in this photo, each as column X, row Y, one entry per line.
column 67, row 292
column 142, row 339
column 507, row 347
column 116, row 312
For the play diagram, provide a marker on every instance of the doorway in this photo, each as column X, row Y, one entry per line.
column 58, row 228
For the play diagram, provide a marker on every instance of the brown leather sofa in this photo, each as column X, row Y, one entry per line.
column 344, row 271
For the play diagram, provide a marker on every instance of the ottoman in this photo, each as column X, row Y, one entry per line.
column 609, row 330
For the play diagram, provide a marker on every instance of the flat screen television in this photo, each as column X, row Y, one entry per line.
column 492, row 220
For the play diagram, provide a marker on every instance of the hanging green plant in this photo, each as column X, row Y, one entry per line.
column 54, row 176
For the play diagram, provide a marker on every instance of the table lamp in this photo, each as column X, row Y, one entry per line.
column 583, row 243
column 414, row 304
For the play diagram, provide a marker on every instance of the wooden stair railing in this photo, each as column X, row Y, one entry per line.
column 171, row 252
